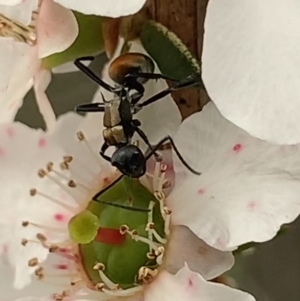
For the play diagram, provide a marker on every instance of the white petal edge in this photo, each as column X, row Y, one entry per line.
column 105, row 8
column 8, row 292
column 10, row 2
column 42, row 80
column 186, row 247
column 18, row 63
column 247, row 190
column 57, row 28
column 23, row 151
column 251, row 75
column 188, row 285
column 18, row 10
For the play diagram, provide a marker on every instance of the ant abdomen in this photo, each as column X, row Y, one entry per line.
column 130, row 63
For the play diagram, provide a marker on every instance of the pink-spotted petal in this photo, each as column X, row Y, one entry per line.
column 23, row 152
column 106, row 8
column 188, row 285
column 249, row 73
column 57, row 28
column 247, row 190
column 18, row 10
column 18, row 63
column 186, row 247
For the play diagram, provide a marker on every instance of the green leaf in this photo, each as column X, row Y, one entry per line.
column 88, row 42
column 171, row 55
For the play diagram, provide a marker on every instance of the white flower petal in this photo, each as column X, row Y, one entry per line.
column 23, row 152
column 248, row 188
column 8, row 292
column 57, row 28
column 250, row 65
column 187, row 285
column 18, row 10
column 18, row 63
column 34, row 299
column 42, row 80
column 10, row 2
column 186, row 247
column 106, row 8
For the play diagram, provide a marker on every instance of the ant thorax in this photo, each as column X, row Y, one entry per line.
column 111, row 116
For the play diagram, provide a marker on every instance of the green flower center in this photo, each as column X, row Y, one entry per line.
column 121, row 248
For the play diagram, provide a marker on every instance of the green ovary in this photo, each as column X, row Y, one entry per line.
column 121, row 255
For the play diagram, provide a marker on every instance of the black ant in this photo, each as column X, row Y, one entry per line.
column 130, row 71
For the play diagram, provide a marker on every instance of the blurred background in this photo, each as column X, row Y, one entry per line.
column 271, row 273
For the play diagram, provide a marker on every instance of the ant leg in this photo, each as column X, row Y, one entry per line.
column 91, row 107
column 169, row 139
column 194, row 81
column 146, row 140
column 131, row 208
column 87, row 71
column 96, row 198
column 132, row 83
column 150, row 76
column 103, row 149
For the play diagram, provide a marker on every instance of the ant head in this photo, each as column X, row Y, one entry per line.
column 130, row 161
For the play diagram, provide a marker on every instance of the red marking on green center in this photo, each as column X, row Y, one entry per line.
column 109, row 236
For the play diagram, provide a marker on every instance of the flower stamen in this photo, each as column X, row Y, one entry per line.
column 134, row 235
column 34, row 192
column 33, row 262
column 40, row 226
column 42, row 174
column 81, row 138
column 146, row 275
column 150, row 221
column 18, row 31
column 71, row 183
column 100, row 267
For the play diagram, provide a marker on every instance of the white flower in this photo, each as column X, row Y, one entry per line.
column 185, row 285
column 115, row 8
column 250, row 64
column 28, row 34
column 248, row 187
column 247, row 190
column 55, row 178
